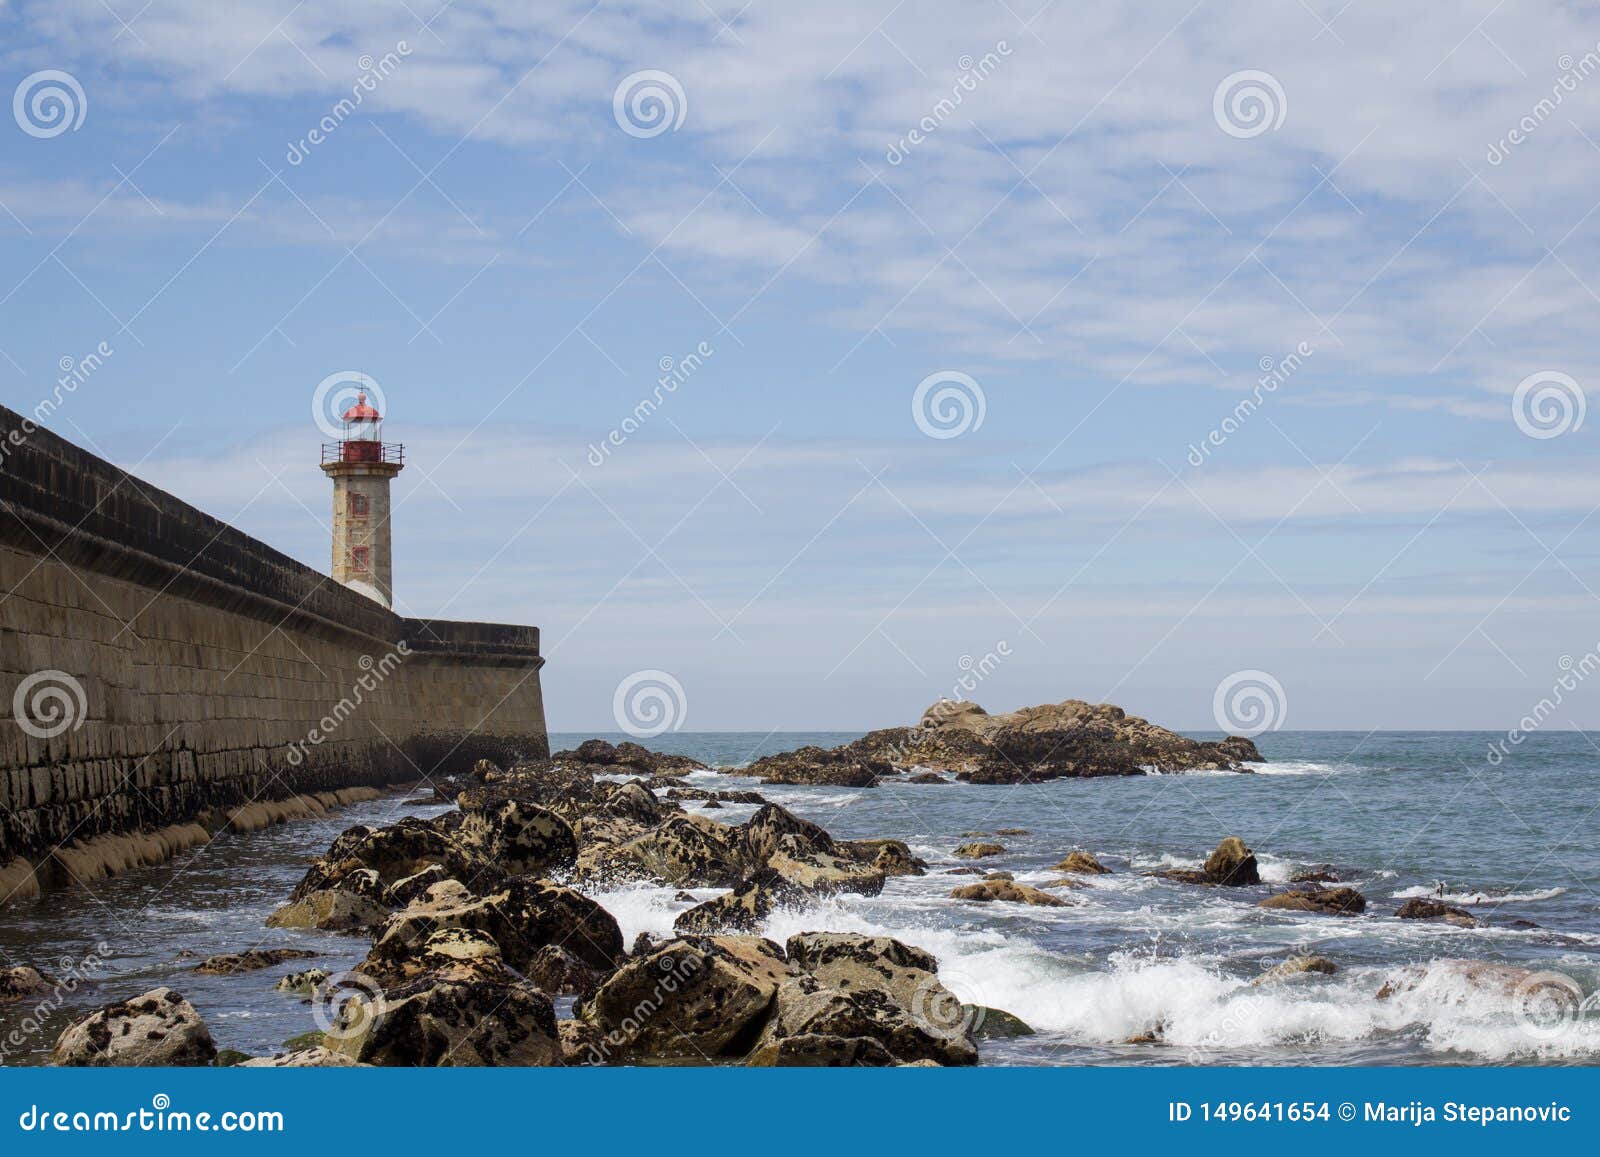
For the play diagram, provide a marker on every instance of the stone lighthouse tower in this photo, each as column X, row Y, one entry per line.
column 361, row 465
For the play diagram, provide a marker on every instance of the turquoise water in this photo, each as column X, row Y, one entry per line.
column 1396, row 814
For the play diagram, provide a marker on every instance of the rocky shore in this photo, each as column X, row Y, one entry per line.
column 478, row 928
column 486, row 946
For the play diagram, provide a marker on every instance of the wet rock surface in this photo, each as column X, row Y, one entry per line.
column 230, row 963
column 23, row 981
column 1324, row 901
column 159, row 1027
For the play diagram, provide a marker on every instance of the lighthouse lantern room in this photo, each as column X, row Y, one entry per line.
column 362, row 465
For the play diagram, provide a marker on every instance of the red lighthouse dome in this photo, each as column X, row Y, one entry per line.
column 361, row 411
column 362, row 440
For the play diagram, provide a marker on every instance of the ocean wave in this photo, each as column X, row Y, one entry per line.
column 1445, row 895
column 1190, row 1002
column 1300, row 767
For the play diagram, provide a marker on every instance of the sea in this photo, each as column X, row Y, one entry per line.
column 1137, row 970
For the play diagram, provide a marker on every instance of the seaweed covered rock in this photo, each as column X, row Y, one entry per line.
column 159, row 1027
column 251, row 960
column 1232, row 864
column 315, row 1057
column 1325, row 901
column 1296, row 966
column 821, row 872
column 439, row 1022
column 691, row 998
column 891, row 974
column 745, row 908
column 1082, row 863
column 1005, row 891
column 771, row 823
column 834, row 767
column 520, row 838
column 689, row 851
column 1072, row 738
column 521, row 917
column 1420, row 909
column 22, row 982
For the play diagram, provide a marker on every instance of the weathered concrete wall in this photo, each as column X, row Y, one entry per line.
column 214, row 670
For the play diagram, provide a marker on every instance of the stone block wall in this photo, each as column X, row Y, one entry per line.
column 200, row 669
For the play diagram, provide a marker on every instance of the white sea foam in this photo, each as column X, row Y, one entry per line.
column 1446, row 895
column 1300, row 767
column 1191, row 1001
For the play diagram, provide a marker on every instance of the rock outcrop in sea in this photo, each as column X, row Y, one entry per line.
column 1070, row 739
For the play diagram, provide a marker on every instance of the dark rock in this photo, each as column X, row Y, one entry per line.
column 1320, row 874
column 230, row 963
column 689, row 851
column 692, row 998
column 1232, row 864
column 813, row 765
column 995, row 1024
column 768, row 826
column 22, row 982
column 558, row 971
column 745, row 908
column 521, row 918
column 1420, row 909
column 520, row 838
column 821, row 872
column 435, row 1022
column 978, row 850
column 308, row 982
column 895, row 975
column 1327, row 901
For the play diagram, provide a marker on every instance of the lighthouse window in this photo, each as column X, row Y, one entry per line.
column 359, row 556
column 358, row 505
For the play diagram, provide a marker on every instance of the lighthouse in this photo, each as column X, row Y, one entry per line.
column 361, row 465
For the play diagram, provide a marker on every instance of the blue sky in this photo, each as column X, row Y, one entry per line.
column 1096, row 235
